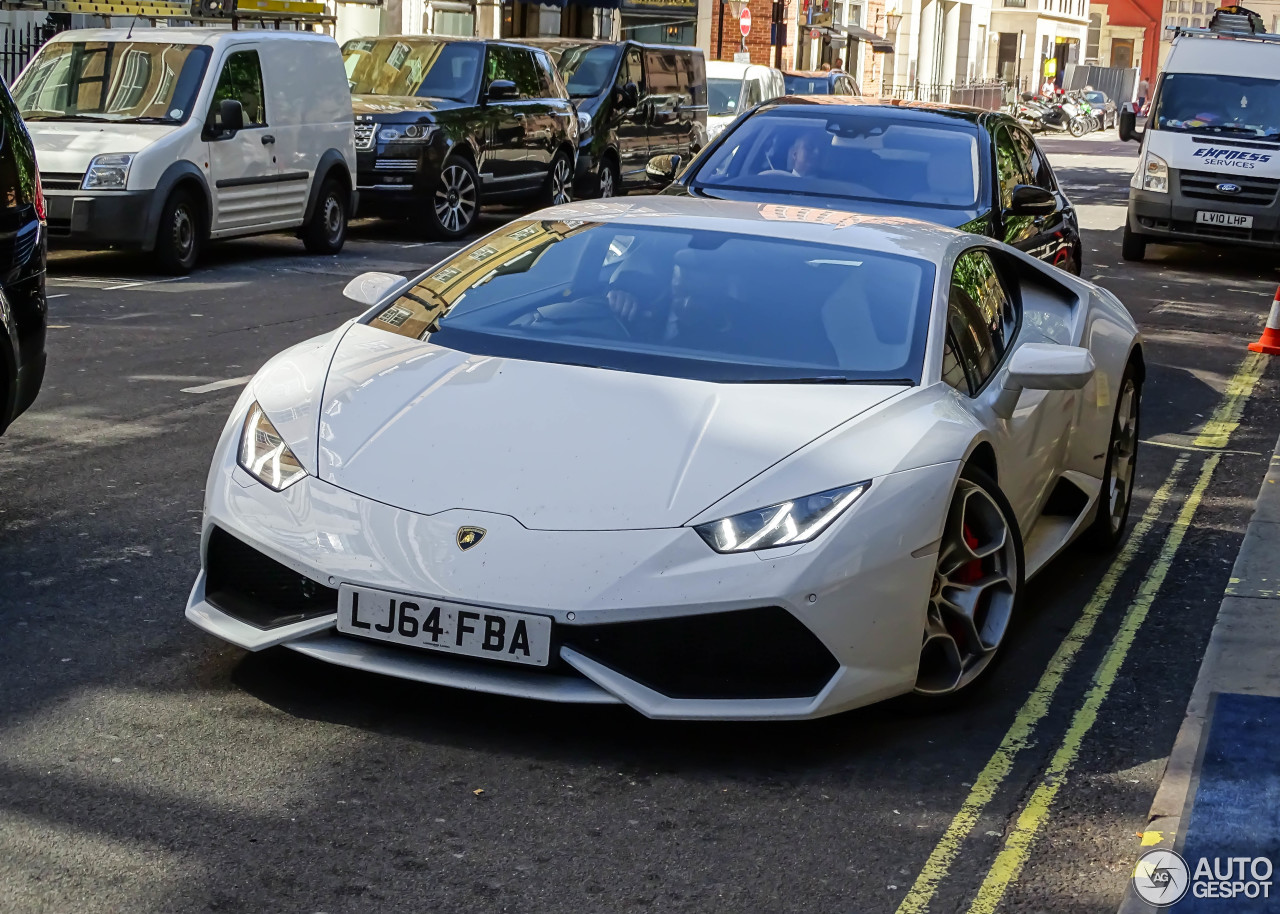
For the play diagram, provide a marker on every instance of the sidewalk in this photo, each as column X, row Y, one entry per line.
column 1220, row 794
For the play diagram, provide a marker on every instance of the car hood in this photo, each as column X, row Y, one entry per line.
column 68, row 147
column 557, row 447
column 400, row 104
column 951, row 217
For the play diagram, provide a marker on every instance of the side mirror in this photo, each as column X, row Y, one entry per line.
column 1043, row 366
column 501, row 90
column 370, row 288
column 663, row 168
column 230, row 116
column 1128, row 125
column 1030, row 200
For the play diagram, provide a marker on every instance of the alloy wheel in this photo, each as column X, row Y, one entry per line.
column 455, row 201
column 606, row 182
column 560, row 183
column 972, row 597
column 1124, row 448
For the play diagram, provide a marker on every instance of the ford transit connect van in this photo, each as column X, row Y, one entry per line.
column 162, row 139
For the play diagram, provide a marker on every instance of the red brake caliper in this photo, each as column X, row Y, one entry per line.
column 970, row 571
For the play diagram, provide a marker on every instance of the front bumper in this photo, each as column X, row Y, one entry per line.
column 605, row 591
column 1172, row 217
column 390, row 179
column 91, row 219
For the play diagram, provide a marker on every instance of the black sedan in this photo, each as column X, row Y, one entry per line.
column 967, row 168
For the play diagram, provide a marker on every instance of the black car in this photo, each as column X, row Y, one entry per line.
column 23, row 308
column 819, row 82
column 635, row 101
column 444, row 126
column 1104, row 109
column 967, row 168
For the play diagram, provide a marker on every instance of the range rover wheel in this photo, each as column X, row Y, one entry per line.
column 559, row 186
column 180, row 233
column 452, row 210
column 326, row 231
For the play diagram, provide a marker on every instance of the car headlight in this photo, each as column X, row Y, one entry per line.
column 107, row 172
column 264, row 455
column 410, row 133
column 787, row 524
column 1153, row 175
column 584, row 123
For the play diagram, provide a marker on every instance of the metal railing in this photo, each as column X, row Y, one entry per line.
column 18, row 44
column 990, row 94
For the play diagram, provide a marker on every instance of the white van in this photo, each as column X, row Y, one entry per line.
column 1209, row 169
column 734, row 87
column 160, row 139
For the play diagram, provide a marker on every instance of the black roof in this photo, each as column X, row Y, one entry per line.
column 854, row 103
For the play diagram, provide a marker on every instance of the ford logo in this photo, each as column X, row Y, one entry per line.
column 1229, row 188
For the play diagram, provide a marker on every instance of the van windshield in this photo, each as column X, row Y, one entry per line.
column 722, row 96
column 426, row 67
column 1219, row 104
column 136, row 81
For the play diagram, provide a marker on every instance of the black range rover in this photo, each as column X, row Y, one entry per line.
column 446, row 125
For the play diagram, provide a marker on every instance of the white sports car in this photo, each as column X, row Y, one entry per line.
column 706, row 459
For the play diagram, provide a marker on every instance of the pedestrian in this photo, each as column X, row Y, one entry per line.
column 825, row 67
column 1143, row 88
column 1048, row 90
column 839, row 64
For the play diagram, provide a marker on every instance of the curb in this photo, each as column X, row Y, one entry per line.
column 1240, row 657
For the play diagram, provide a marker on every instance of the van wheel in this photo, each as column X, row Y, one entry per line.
column 179, row 235
column 326, row 231
column 1132, row 245
column 559, row 186
column 609, row 180
column 453, row 208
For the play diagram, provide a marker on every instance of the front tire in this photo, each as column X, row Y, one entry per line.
column 453, row 208
column 1118, row 473
column 180, row 234
column 1077, row 127
column 1133, row 246
column 326, row 231
column 558, row 188
column 976, row 592
column 608, row 184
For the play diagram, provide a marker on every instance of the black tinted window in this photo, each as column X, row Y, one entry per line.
column 692, row 88
column 587, row 69
column 1009, row 166
column 660, row 70
column 685, row 302
column 241, row 80
column 515, row 64
column 424, row 67
column 551, row 86
column 17, row 157
column 1036, row 163
column 980, row 316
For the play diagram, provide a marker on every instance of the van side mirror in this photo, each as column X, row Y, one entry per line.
column 230, row 116
column 629, row 95
column 1127, row 125
column 500, row 90
column 1043, row 366
column 663, row 168
column 370, row 288
column 1030, row 200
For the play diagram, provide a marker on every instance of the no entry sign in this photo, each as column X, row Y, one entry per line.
column 745, row 21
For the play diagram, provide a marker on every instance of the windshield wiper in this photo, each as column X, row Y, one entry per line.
column 70, row 117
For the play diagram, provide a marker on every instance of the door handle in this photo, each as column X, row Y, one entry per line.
column 268, row 140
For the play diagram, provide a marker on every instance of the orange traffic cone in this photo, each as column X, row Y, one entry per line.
column 1270, row 342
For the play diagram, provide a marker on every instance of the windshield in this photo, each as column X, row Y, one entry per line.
column 424, row 67
column 586, row 68
column 689, row 303
column 864, row 156
column 807, row 85
column 139, row 81
column 1096, row 98
column 723, row 96
column 1218, row 104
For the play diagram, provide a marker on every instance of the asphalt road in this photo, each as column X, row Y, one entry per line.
column 146, row 767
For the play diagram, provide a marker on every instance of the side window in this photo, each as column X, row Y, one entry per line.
column 981, row 317
column 953, row 372
column 515, row 64
column 752, row 95
column 1036, row 163
column 684, row 78
column 631, row 70
column 550, row 80
column 660, row 70
column 1009, row 166
column 241, row 79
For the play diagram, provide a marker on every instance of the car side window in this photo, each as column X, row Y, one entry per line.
column 552, row 86
column 515, row 64
column 660, row 71
column 631, row 70
column 1036, row 163
column 953, row 372
column 1009, row 166
column 752, row 95
column 241, row 80
column 981, row 316
column 693, row 88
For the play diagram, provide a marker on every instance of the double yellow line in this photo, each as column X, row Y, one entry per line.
column 1017, row 846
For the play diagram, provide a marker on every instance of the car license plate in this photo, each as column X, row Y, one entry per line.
column 452, row 628
column 1230, row 220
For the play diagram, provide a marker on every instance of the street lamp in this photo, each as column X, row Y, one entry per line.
column 891, row 22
